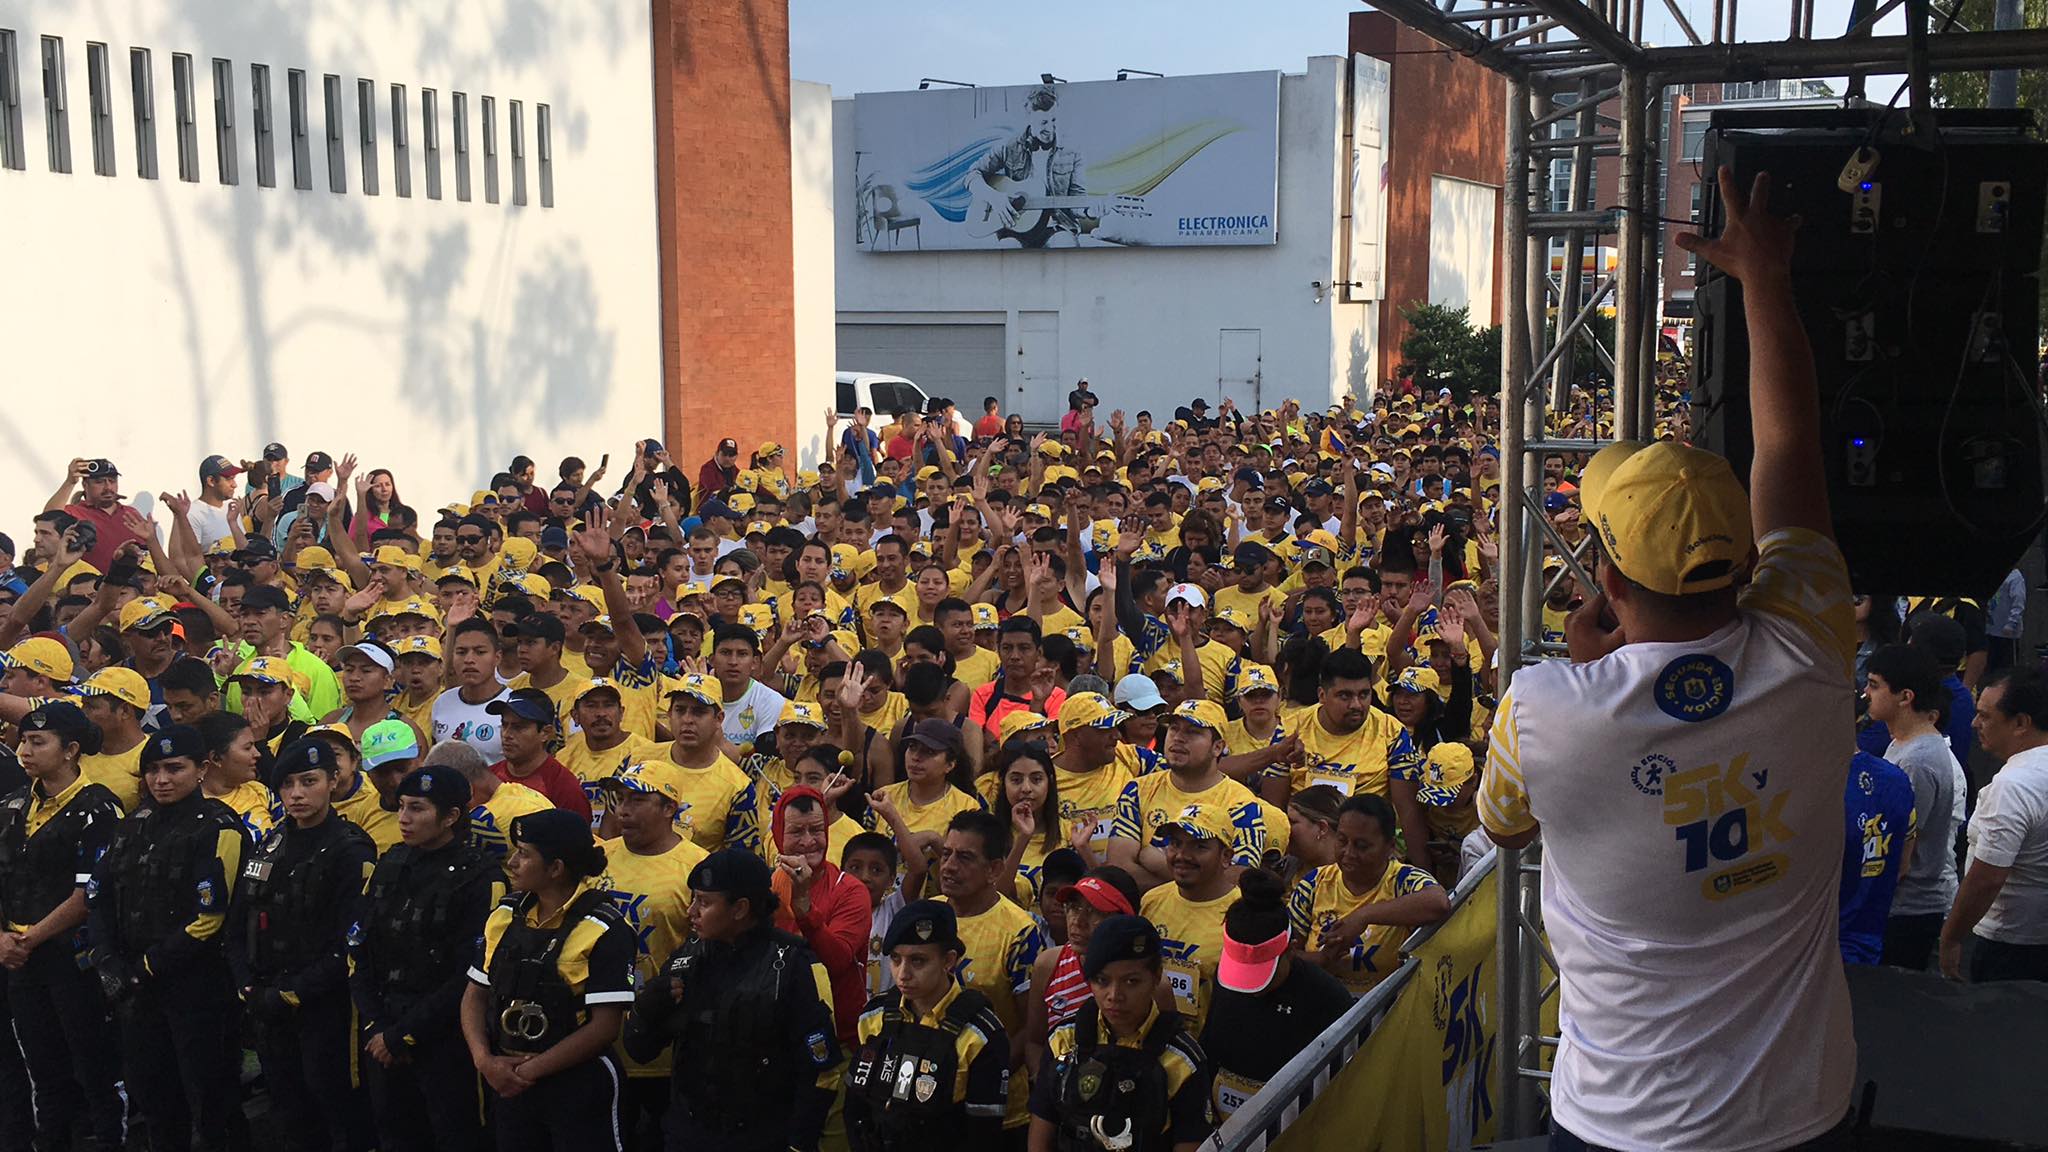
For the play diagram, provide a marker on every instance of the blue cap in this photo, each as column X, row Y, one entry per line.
column 524, row 705
column 173, row 742
column 442, row 787
column 554, row 536
column 717, row 508
column 1556, row 502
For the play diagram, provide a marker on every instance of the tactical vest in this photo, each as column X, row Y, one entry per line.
column 38, row 874
column 731, row 1040
column 1112, row 1097
column 532, row 1006
column 907, row 1073
column 413, row 920
column 286, row 920
column 152, row 871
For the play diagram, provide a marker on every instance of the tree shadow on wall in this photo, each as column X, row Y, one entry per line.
column 554, row 366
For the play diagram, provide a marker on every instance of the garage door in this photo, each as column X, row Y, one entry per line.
column 962, row 362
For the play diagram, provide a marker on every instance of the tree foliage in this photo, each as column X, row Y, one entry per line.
column 1443, row 349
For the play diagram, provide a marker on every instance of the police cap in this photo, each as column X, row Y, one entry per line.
column 735, row 873
column 179, row 740
column 306, row 754
column 67, row 721
column 924, row 922
column 1119, row 938
column 442, row 787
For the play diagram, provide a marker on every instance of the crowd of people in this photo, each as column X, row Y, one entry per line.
column 1051, row 788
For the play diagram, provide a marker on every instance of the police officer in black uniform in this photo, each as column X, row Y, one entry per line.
column 549, row 992
column 904, row 1088
column 52, row 835
column 1122, row 1074
column 158, row 914
column 409, row 953
column 287, row 945
column 748, row 1012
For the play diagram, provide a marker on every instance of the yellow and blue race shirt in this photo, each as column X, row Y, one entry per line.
column 1150, row 801
column 1355, row 762
column 1321, row 899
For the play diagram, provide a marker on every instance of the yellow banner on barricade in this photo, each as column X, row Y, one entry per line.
column 1428, row 1078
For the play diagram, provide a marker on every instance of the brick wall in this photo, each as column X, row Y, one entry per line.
column 721, row 84
column 1448, row 118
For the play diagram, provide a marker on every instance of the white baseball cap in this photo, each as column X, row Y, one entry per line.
column 1192, row 593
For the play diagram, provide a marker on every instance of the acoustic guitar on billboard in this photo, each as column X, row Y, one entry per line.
column 984, row 220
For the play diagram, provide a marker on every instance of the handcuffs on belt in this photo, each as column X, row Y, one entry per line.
column 524, row 1020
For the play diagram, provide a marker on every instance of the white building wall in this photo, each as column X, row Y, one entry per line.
column 1145, row 325
column 156, row 321
column 813, row 256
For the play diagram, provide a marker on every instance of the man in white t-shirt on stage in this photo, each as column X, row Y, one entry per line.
column 1686, row 771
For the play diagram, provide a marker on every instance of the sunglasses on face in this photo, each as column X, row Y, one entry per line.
column 469, row 539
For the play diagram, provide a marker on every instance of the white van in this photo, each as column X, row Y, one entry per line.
column 884, row 395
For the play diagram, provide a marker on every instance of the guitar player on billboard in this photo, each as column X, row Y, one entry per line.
column 1031, row 168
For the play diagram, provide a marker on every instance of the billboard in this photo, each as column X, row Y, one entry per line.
column 1179, row 161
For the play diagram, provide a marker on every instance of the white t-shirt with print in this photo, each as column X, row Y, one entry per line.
column 756, row 711
column 1690, row 796
column 2010, row 830
column 457, row 719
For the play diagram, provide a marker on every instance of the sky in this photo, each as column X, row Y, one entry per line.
column 889, row 45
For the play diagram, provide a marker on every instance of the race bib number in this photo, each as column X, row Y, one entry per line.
column 1340, row 783
column 1184, row 980
column 1232, row 1092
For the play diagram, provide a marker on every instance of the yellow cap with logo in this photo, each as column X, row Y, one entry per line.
column 1090, row 710
column 805, row 713
column 1206, row 713
column 1019, row 722
column 1200, row 821
column 1444, row 772
column 696, row 686
column 123, row 684
column 1673, row 518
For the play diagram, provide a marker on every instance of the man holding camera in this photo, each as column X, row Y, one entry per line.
column 91, row 492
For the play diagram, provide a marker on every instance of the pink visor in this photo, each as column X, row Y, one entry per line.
column 1250, row 967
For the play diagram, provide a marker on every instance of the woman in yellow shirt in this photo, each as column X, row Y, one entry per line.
column 935, row 787
column 1350, row 917
column 1027, row 799
column 232, row 758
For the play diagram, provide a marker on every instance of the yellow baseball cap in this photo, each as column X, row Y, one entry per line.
column 1104, row 535
column 806, row 477
column 768, row 448
column 1206, row 713
column 1058, row 472
column 123, row 684
column 692, row 588
column 1201, row 821
column 1416, row 678
column 462, row 572
column 697, row 686
column 145, row 614
column 518, row 552
column 269, row 670
column 803, row 712
column 741, row 502
column 1231, row 617
column 1039, row 510
column 43, row 656
column 1019, row 722
column 1052, row 448
column 535, row 587
column 1090, row 710
column 313, row 556
column 985, row 616
column 1673, row 518
column 410, row 606
column 759, row 617
column 1256, row 678
column 656, row 777
column 396, row 557
column 1594, row 476
column 428, row 646
column 1444, row 772
column 590, row 594
column 744, row 482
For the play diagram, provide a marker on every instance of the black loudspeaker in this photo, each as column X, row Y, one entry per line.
column 1920, row 293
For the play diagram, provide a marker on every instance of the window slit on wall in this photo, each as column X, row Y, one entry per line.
column 13, row 154
column 142, row 87
column 366, row 131
column 544, row 152
column 517, row 122
column 302, row 146
column 460, row 109
column 264, row 125
column 187, row 113
column 100, row 102
column 337, row 152
column 56, row 110
column 226, row 154
column 430, row 139
column 488, row 112
column 401, row 143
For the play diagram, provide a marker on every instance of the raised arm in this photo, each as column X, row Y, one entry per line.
column 1787, row 483
column 73, row 472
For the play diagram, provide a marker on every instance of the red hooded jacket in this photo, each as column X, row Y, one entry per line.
column 836, row 927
